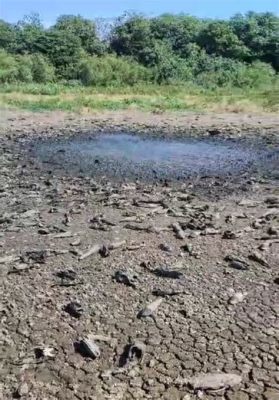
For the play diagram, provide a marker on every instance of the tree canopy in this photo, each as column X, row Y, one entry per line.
column 170, row 47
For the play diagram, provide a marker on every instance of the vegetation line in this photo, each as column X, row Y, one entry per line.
column 171, row 62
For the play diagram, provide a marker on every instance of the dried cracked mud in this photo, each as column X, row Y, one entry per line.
column 83, row 260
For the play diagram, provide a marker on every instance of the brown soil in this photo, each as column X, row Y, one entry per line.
column 236, row 124
column 201, row 329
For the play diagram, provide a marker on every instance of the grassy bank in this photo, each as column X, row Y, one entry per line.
column 43, row 97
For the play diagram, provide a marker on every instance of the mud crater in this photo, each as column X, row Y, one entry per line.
column 130, row 156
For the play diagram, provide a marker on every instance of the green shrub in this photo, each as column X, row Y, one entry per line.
column 111, row 70
column 24, row 69
column 256, row 75
column 219, row 72
column 8, row 67
column 42, row 70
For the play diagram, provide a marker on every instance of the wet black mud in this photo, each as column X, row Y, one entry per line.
column 125, row 156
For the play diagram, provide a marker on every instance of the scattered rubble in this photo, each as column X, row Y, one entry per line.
column 69, row 246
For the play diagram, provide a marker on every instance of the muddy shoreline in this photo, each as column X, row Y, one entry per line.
column 80, row 257
column 190, row 123
column 251, row 132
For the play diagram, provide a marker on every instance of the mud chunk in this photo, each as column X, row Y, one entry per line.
column 214, row 132
column 167, row 273
column 68, row 278
column 274, row 200
column 37, row 256
column 104, row 251
column 165, row 247
column 165, row 293
column 178, row 231
column 237, row 263
column 74, row 309
column 44, row 352
column 188, row 247
column 271, row 394
column 150, row 309
column 236, row 298
column 214, row 381
column 8, row 259
column 126, row 278
column 231, row 235
column 88, row 348
column 22, row 390
column 132, row 354
column 272, row 230
column 256, row 256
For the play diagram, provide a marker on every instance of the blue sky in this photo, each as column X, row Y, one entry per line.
column 13, row 10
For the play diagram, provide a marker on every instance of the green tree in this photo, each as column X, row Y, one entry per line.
column 177, row 31
column 219, row 38
column 28, row 31
column 7, row 36
column 260, row 33
column 134, row 38
column 82, row 28
column 63, row 50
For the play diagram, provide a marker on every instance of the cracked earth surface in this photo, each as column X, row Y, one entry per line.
column 221, row 319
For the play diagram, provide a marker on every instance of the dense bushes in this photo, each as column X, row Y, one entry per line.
column 111, row 70
column 8, row 67
column 240, row 52
column 25, row 68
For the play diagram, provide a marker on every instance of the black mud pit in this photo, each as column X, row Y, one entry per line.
column 137, row 157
